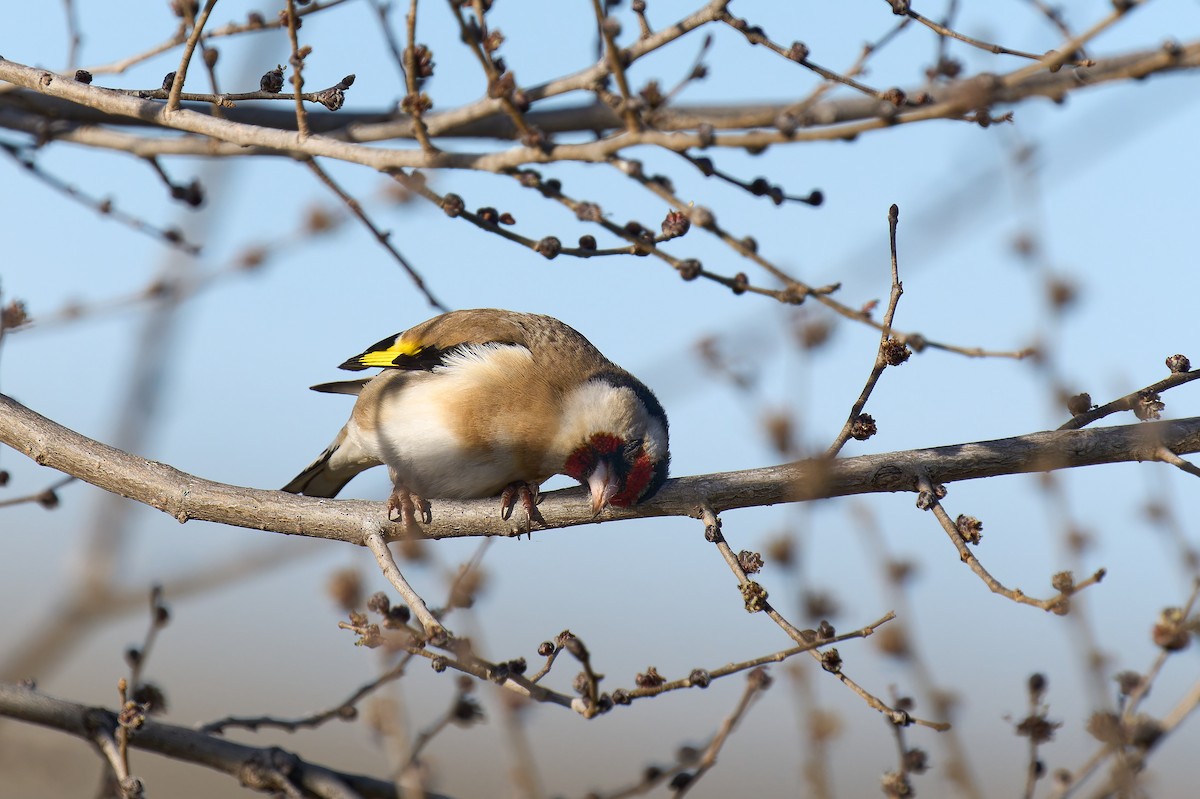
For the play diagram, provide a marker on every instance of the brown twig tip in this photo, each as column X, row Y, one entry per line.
column 970, row 528
column 1080, row 403
column 549, row 247
column 272, row 82
column 1038, row 728
column 675, row 224
column 1149, row 405
column 1179, row 363
column 690, row 269
column 895, row 352
column 1172, row 631
column 1037, row 685
column 863, row 427
column 650, row 678
column 13, row 315
column 751, row 562
column 754, row 596
column 453, row 205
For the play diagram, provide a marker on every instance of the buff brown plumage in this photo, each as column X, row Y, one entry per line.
column 489, row 402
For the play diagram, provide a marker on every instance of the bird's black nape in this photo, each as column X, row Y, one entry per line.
column 661, row 472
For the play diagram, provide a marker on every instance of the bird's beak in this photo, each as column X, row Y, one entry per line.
column 602, row 483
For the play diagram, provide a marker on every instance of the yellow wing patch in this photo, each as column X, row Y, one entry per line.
column 388, row 357
column 394, row 351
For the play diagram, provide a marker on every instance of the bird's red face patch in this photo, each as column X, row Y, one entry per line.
column 604, row 443
column 636, row 481
column 633, row 475
column 583, row 460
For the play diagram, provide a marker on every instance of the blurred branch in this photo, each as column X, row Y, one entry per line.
column 384, row 238
column 103, row 206
column 186, row 496
column 268, row 769
column 79, row 612
column 47, row 497
column 757, row 681
column 255, row 23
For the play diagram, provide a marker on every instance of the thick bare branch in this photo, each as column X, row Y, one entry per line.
column 186, row 496
column 253, row 766
column 829, row 120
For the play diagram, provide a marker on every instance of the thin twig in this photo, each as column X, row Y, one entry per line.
column 74, row 37
column 755, row 597
column 105, row 207
column 764, row 660
column 1134, row 700
column 881, row 359
column 137, row 658
column 1063, row 54
column 47, row 497
column 178, row 37
column 475, row 666
column 754, row 594
column 1059, row 604
column 107, row 744
column 755, row 36
column 616, row 67
column 471, row 37
column 795, row 291
column 375, row 541
column 756, row 682
column 1129, row 401
column 382, row 9
column 297, row 62
column 189, row 47
column 1055, row 16
column 227, row 100
column 1167, row 456
column 895, row 575
column 412, row 79
column 382, row 237
column 995, row 49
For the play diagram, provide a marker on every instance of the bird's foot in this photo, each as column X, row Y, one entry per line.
column 527, row 495
column 403, row 507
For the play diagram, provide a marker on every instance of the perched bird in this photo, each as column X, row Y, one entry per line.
column 489, row 402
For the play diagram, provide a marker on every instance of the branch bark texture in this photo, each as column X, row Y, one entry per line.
column 186, row 496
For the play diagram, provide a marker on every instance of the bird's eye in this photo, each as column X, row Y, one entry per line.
column 633, row 449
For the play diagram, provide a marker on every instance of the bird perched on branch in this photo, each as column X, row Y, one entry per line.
column 489, row 402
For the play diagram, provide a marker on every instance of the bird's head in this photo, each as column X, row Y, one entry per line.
column 617, row 435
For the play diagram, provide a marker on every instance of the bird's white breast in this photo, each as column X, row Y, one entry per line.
column 422, row 429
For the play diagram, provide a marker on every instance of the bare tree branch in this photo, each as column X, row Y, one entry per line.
column 186, row 496
column 262, row 768
column 830, row 120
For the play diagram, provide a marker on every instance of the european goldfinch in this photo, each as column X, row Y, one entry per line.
column 489, row 402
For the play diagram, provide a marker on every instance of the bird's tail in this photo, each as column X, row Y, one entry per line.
column 332, row 469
